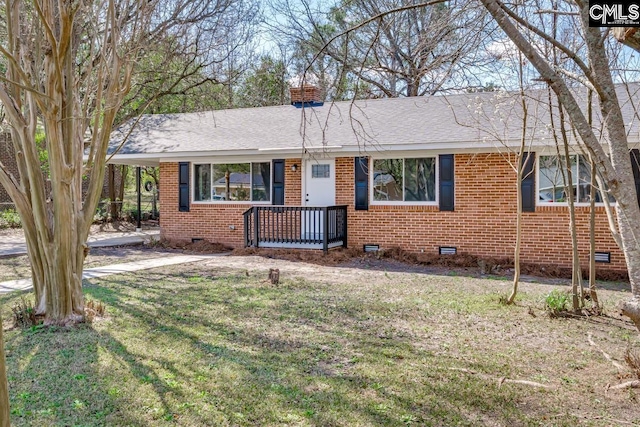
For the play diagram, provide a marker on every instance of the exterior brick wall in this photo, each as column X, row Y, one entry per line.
column 484, row 220
column 482, row 224
column 203, row 221
column 293, row 182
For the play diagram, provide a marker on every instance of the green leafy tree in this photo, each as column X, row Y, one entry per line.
column 264, row 84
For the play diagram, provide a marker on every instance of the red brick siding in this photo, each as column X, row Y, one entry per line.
column 211, row 222
column 293, row 182
column 483, row 222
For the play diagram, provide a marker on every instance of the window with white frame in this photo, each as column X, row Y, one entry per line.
column 237, row 182
column 553, row 179
column 404, row 180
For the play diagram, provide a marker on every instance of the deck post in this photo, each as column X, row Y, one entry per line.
column 325, row 230
column 256, row 227
column 139, row 199
column 344, row 226
column 247, row 239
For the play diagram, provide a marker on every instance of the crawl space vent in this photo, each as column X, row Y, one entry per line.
column 371, row 248
column 603, row 257
column 447, row 250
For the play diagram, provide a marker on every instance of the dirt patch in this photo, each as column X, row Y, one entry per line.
column 403, row 260
column 333, row 257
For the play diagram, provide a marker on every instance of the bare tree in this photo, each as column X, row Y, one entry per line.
column 628, row 35
column 186, row 70
column 611, row 154
column 505, row 117
column 68, row 68
column 415, row 51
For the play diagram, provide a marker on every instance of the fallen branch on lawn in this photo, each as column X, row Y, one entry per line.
column 502, row 380
column 624, row 386
column 606, row 356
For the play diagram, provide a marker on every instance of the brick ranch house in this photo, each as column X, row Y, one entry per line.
column 426, row 174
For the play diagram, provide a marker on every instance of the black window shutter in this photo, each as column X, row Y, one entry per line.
column 183, row 186
column 362, row 183
column 635, row 165
column 528, row 183
column 447, row 186
column 278, row 182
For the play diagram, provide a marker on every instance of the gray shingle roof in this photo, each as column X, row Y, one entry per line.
column 465, row 120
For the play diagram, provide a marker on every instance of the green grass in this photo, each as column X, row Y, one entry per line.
column 196, row 345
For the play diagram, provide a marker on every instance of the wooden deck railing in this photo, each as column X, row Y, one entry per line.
column 296, row 227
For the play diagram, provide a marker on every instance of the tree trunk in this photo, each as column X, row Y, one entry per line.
column 57, row 260
column 592, row 239
column 614, row 165
column 576, row 270
column 4, row 387
column 516, row 251
column 519, row 171
column 631, row 308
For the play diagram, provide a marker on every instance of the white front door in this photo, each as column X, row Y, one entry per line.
column 319, row 189
column 319, row 183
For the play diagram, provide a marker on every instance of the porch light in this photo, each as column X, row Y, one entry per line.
column 294, row 167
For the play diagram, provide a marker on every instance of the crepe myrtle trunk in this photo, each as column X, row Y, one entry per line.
column 55, row 245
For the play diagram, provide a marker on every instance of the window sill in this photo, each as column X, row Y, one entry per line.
column 550, row 206
column 382, row 203
column 228, row 202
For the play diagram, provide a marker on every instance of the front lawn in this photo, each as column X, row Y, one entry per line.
column 215, row 344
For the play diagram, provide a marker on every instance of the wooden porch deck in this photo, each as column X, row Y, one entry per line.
column 296, row 227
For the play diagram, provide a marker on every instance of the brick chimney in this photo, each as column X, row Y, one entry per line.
column 306, row 96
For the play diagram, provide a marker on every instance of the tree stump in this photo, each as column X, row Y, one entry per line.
column 274, row 275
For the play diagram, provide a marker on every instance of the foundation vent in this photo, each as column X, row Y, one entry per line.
column 447, row 250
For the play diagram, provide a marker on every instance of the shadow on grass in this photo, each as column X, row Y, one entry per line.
column 267, row 357
column 208, row 350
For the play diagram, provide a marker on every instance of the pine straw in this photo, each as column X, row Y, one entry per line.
column 201, row 246
column 333, row 257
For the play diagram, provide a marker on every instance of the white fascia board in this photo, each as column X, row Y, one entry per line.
column 371, row 149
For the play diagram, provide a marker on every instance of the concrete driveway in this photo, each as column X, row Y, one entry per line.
column 15, row 244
